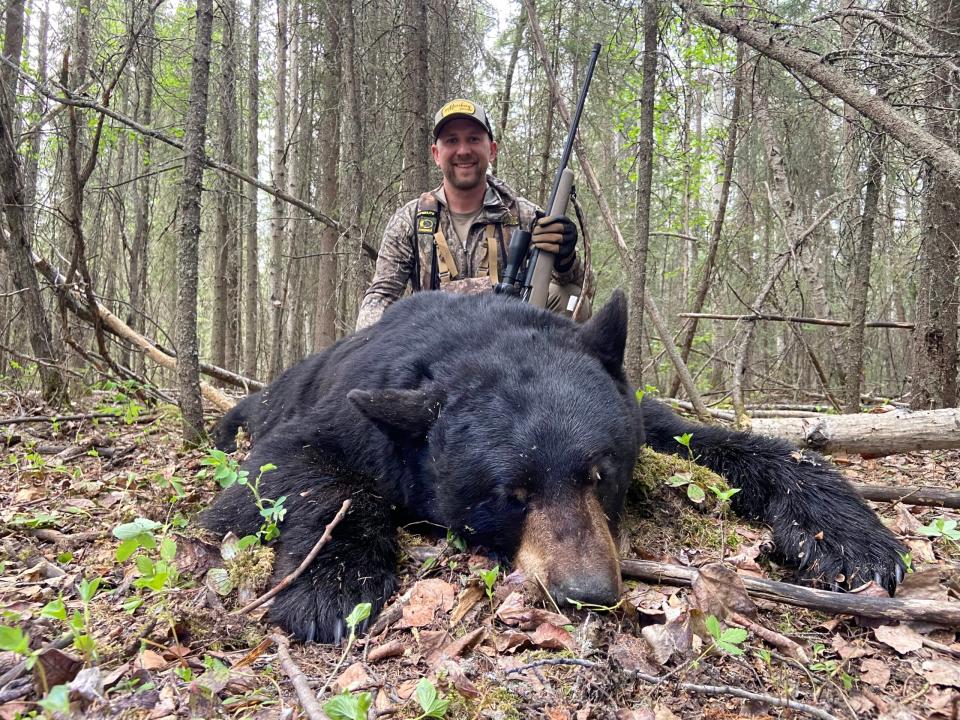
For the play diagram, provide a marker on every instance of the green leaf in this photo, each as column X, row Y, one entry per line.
column 168, row 549
column 427, row 697
column 348, row 707
column 219, row 580
column 13, row 639
column 126, row 549
column 88, row 589
column 359, row 613
column 734, row 635
column 695, row 493
column 55, row 609
column 57, row 701
column 713, row 627
column 679, row 480
column 139, row 526
column 131, row 605
column 144, row 565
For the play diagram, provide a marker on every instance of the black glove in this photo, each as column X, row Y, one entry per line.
column 556, row 234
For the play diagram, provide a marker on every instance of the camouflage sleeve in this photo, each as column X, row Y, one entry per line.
column 528, row 215
column 394, row 266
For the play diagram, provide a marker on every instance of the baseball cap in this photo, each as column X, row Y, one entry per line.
column 461, row 108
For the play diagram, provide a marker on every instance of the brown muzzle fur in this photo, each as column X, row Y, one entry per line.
column 567, row 549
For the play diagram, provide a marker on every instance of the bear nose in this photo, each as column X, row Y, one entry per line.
column 591, row 588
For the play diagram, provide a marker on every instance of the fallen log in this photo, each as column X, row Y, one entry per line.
column 869, row 434
column 836, row 603
column 929, row 496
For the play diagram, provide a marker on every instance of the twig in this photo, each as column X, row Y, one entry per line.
column 553, row 661
column 941, row 613
column 311, row 556
column 70, row 418
column 758, row 697
column 308, row 701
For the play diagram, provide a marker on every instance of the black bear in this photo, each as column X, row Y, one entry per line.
column 517, row 429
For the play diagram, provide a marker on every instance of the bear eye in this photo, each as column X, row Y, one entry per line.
column 520, row 495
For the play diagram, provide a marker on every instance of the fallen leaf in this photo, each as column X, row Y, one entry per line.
column 150, row 660
column 718, row 591
column 353, row 678
column 459, row 680
column 468, row 599
column 426, row 598
column 848, row 650
column 661, row 712
column 637, row 714
column 510, row 640
column 875, row 672
column 924, row 585
column 629, row 653
column 551, row 637
column 899, row 637
column 941, row 672
column 556, row 713
column 457, row 647
column 55, row 667
column 88, row 684
column 514, row 612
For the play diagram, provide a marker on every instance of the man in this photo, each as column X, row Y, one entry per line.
column 456, row 236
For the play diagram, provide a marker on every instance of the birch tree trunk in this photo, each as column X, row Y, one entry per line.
column 195, row 131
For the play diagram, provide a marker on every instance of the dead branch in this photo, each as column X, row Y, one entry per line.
column 308, row 701
column 754, row 317
column 939, row 613
column 311, row 556
column 930, row 496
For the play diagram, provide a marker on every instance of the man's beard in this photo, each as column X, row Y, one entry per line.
column 461, row 182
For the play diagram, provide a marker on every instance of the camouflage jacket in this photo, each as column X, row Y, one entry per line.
column 502, row 207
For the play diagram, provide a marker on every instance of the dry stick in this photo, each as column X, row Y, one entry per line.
column 940, row 613
column 691, row 687
column 931, row 496
column 797, row 319
column 308, row 701
column 311, row 556
column 625, row 255
column 61, row 418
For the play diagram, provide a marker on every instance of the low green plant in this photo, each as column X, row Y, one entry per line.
column 347, row 706
column 832, row 668
column 489, row 578
column 726, row 640
column 430, row 702
column 226, row 471
column 941, row 527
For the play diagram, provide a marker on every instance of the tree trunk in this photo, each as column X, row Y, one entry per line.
column 226, row 309
column 633, row 360
column 17, row 246
column 351, row 195
column 325, row 320
column 935, row 337
column 278, row 225
column 195, row 130
column 251, row 296
column 501, row 128
column 416, row 137
column 858, row 287
column 142, row 195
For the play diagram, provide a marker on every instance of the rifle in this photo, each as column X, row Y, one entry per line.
column 532, row 282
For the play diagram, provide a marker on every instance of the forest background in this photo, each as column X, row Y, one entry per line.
column 215, row 178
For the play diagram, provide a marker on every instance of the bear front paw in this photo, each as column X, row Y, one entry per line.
column 846, row 560
column 315, row 609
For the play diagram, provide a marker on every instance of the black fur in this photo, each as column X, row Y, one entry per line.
column 448, row 406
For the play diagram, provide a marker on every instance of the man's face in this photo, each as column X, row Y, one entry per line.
column 463, row 152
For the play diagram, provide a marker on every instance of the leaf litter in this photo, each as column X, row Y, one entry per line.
column 158, row 640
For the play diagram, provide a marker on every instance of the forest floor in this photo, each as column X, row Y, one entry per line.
column 106, row 590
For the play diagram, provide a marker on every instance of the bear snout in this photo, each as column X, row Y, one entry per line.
column 566, row 548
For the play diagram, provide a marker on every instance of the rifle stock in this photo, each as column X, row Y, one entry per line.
column 536, row 284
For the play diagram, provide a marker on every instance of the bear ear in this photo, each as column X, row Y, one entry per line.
column 410, row 412
column 605, row 334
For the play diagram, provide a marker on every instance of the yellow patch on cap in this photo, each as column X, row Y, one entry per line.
column 458, row 106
